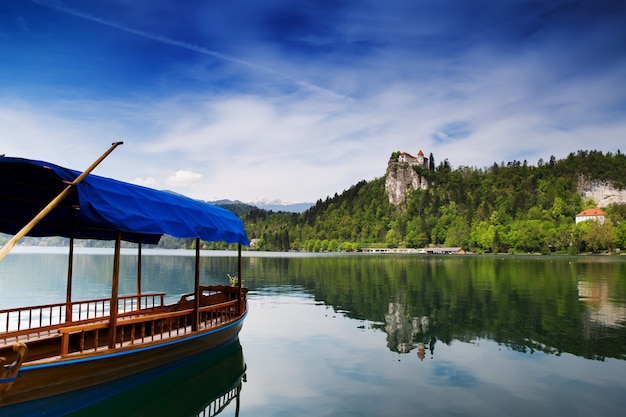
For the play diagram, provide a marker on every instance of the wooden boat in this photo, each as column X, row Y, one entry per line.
column 49, row 350
column 201, row 385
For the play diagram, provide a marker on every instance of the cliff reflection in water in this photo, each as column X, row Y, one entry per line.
column 550, row 304
column 405, row 333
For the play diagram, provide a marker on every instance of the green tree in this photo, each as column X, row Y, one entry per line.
column 600, row 236
column 458, row 234
column 479, row 235
column 392, row 239
column 497, row 242
column 620, row 235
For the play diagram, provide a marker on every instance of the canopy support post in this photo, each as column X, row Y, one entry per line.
column 239, row 295
column 139, row 274
column 68, row 291
column 114, row 291
column 197, row 292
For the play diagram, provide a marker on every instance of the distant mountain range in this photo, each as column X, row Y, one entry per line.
column 240, row 208
column 277, row 205
column 274, row 205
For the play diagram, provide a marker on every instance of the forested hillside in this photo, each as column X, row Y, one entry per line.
column 508, row 207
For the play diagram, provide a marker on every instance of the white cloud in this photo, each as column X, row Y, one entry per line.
column 248, row 113
column 184, row 178
column 301, row 147
column 304, row 146
column 147, row 182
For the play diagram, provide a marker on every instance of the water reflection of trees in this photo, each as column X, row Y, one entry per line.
column 527, row 304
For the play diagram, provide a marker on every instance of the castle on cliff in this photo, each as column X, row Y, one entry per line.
column 407, row 158
column 401, row 178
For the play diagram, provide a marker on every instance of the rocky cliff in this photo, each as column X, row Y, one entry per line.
column 401, row 178
column 603, row 193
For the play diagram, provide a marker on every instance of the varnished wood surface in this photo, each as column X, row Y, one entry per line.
column 65, row 375
column 76, row 356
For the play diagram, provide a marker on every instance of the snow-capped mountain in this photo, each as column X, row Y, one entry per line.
column 278, row 205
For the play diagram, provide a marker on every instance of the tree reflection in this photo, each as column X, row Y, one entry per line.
column 529, row 304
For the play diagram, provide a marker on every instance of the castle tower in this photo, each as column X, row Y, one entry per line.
column 420, row 158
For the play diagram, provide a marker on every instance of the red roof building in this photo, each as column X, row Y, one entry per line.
column 594, row 214
column 407, row 158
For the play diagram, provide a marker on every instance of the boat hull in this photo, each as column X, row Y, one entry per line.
column 202, row 384
column 36, row 381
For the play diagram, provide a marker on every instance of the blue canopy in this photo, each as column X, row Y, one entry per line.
column 99, row 207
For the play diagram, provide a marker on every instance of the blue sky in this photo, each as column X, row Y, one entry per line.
column 298, row 100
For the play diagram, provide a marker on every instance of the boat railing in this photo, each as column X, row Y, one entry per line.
column 48, row 317
column 131, row 330
column 214, row 290
column 218, row 314
column 140, row 320
column 145, row 328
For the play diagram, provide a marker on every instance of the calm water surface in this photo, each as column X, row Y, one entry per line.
column 379, row 335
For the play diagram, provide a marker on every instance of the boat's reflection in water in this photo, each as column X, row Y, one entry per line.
column 204, row 385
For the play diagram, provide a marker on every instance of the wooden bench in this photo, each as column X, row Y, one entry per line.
column 80, row 329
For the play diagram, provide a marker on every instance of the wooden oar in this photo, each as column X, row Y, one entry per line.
column 43, row 213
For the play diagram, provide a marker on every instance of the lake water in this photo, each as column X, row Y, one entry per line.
column 379, row 335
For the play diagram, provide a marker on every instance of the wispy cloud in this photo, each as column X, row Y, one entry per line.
column 59, row 6
column 474, row 85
